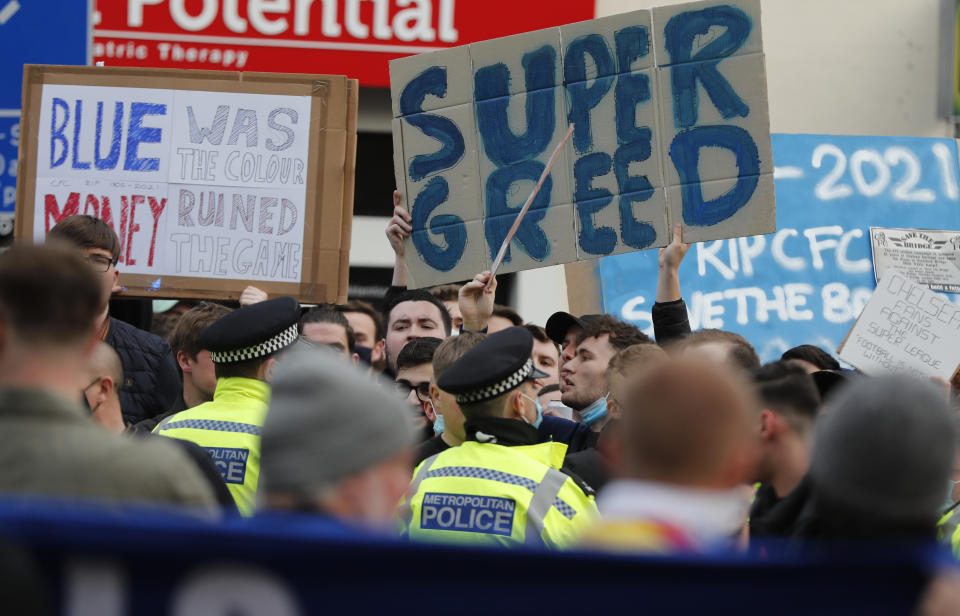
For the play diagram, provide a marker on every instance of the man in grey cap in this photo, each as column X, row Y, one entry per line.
column 334, row 443
column 882, row 457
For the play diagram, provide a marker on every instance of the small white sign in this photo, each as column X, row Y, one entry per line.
column 930, row 257
column 905, row 327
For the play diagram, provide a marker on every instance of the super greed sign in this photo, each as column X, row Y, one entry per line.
column 350, row 37
column 808, row 282
column 670, row 123
column 196, row 184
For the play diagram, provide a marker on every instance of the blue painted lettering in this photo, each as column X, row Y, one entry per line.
column 137, row 133
column 500, row 215
column 584, row 95
column 685, row 153
column 500, row 143
column 451, row 227
column 679, row 35
column 590, row 200
column 56, row 132
column 110, row 162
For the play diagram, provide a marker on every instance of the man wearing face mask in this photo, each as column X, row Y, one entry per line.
column 583, row 380
column 500, row 487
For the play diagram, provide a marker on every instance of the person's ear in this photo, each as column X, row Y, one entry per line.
column 184, row 361
column 429, row 409
column 613, row 408
column 266, row 370
column 767, row 424
column 107, row 386
column 116, row 281
column 378, row 351
column 356, row 360
column 518, row 405
column 435, row 397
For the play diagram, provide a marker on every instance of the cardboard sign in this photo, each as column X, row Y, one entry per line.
column 930, row 257
column 211, row 181
column 905, row 327
column 671, row 123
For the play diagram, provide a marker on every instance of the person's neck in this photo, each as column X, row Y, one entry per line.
column 192, row 395
column 103, row 316
column 54, row 372
column 600, row 423
column 450, row 439
column 110, row 416
column 793, row 462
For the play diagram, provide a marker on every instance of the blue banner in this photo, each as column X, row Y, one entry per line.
column 48, row 32
column 9, row 142
column 114, row 562
column 806, row 283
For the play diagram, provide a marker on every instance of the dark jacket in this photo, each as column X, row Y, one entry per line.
column 671, row 321
column 150, row 379
column 577, row 436
column 428, row 448
column 790, row 516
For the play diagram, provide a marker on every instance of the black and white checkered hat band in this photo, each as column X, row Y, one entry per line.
column 498, row 389
column 278, row 342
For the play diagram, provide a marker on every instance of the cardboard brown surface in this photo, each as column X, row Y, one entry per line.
column 583, row 288
column 349, row 173
column 327, row 186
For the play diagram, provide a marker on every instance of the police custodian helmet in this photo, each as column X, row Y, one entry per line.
column 496, row 365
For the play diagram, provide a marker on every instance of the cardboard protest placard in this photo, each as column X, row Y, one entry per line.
column 211, row 180
column 905, row 327
column 930, row 257
column 670, row 123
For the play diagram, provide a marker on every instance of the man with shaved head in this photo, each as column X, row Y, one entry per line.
column 105, row 371
column 687, row 447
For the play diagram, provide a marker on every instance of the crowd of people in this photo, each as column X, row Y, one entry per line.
column 445, row 417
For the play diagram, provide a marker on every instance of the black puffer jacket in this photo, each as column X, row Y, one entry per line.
column 151, row 383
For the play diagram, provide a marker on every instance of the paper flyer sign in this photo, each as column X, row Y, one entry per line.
column 907, row 328
column 931, row 257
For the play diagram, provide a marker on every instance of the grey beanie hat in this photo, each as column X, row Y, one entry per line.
column 326, row 422
column 884, row 447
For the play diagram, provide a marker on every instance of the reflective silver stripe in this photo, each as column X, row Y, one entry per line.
column 540, row 504
column 406, row 511
column 161, row 426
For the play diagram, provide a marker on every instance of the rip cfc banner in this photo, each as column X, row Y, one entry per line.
column 669, row 109
column 808, row 282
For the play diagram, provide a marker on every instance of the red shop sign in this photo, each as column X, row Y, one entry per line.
column 345, row 37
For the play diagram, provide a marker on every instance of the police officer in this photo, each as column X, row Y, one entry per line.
column 242, row 346
column 500, row 487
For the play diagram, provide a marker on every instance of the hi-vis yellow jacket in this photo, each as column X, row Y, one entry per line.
column 228, row 427
column 489, row 494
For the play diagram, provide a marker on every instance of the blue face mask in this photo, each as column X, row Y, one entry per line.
column 536, row 403
column 438, row 423
column 595, row 412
